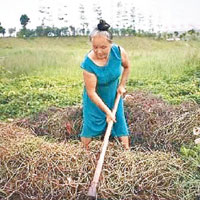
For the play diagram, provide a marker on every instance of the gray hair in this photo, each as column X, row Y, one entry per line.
column 96, row 32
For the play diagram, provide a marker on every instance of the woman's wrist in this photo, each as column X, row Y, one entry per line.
column 108, row 112
column 122, row 84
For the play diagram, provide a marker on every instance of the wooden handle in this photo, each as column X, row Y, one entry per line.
column 92, row 189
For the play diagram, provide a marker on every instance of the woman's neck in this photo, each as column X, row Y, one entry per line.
column 98, row 61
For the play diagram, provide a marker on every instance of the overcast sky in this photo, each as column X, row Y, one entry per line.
column 172, row 14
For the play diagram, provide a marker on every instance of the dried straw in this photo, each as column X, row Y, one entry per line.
column 34, row 168
column 153, row 123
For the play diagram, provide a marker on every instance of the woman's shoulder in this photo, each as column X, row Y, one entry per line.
column 116, row 50
column 87, row 58
column 90, row 54
column 86, row 63
column 115, row 46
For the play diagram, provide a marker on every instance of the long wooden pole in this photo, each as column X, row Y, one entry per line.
column 92, row 189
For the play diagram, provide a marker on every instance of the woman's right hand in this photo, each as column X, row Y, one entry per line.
column 110, row 117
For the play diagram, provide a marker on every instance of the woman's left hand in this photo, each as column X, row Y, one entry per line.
column 121, row 90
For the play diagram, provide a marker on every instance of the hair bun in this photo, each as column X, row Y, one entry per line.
column 103, row 26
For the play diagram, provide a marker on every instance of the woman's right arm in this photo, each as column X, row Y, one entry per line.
column 90, row 84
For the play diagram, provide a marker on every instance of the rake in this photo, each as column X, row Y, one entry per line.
column 92, row 190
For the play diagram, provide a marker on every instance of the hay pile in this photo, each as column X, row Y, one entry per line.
column 34, row 168
column 59, row 123
column 153, row 123
column 55, row 165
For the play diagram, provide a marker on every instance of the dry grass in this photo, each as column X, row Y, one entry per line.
column 33, row 168
column 153, row 123
column 58, row 123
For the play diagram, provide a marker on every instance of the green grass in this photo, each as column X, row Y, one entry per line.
column 43, row 57
column 40, row 72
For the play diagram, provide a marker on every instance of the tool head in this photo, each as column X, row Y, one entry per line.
column 92, row 192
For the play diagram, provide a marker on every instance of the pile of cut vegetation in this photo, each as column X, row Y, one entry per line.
column 35, row 168
column 156, row 124
column 58, row 123
column 153, row 123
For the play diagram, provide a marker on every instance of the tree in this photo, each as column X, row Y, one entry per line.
column 169, row 35
column 39, row 31
column 24, row 20
column 2, row 30
column 64, row 31
column 56, row 32
column 176, row 33
column 11, row 31
column 182, row 36
column 24, row 33
column 192, row 31
column 73, row 30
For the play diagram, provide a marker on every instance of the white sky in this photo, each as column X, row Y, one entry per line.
column 172, row 14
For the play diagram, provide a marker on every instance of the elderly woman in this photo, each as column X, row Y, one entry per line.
column 102, row 68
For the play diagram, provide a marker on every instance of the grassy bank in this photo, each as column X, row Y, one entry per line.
column 163, row 163
column 36, row 73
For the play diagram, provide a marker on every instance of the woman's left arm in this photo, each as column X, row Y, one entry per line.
column 126, row 65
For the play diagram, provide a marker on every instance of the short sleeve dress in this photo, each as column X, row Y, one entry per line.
column 94, row 119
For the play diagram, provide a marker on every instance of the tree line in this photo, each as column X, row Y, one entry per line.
column 127, row 21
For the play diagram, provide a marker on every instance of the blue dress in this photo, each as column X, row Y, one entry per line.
column 94, row 119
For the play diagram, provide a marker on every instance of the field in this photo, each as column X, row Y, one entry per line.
column 43, row 72
column 41, row 88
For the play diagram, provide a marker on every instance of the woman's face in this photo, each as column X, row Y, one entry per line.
column 101, row 46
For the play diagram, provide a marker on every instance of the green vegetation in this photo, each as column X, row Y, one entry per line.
column 40, row 72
